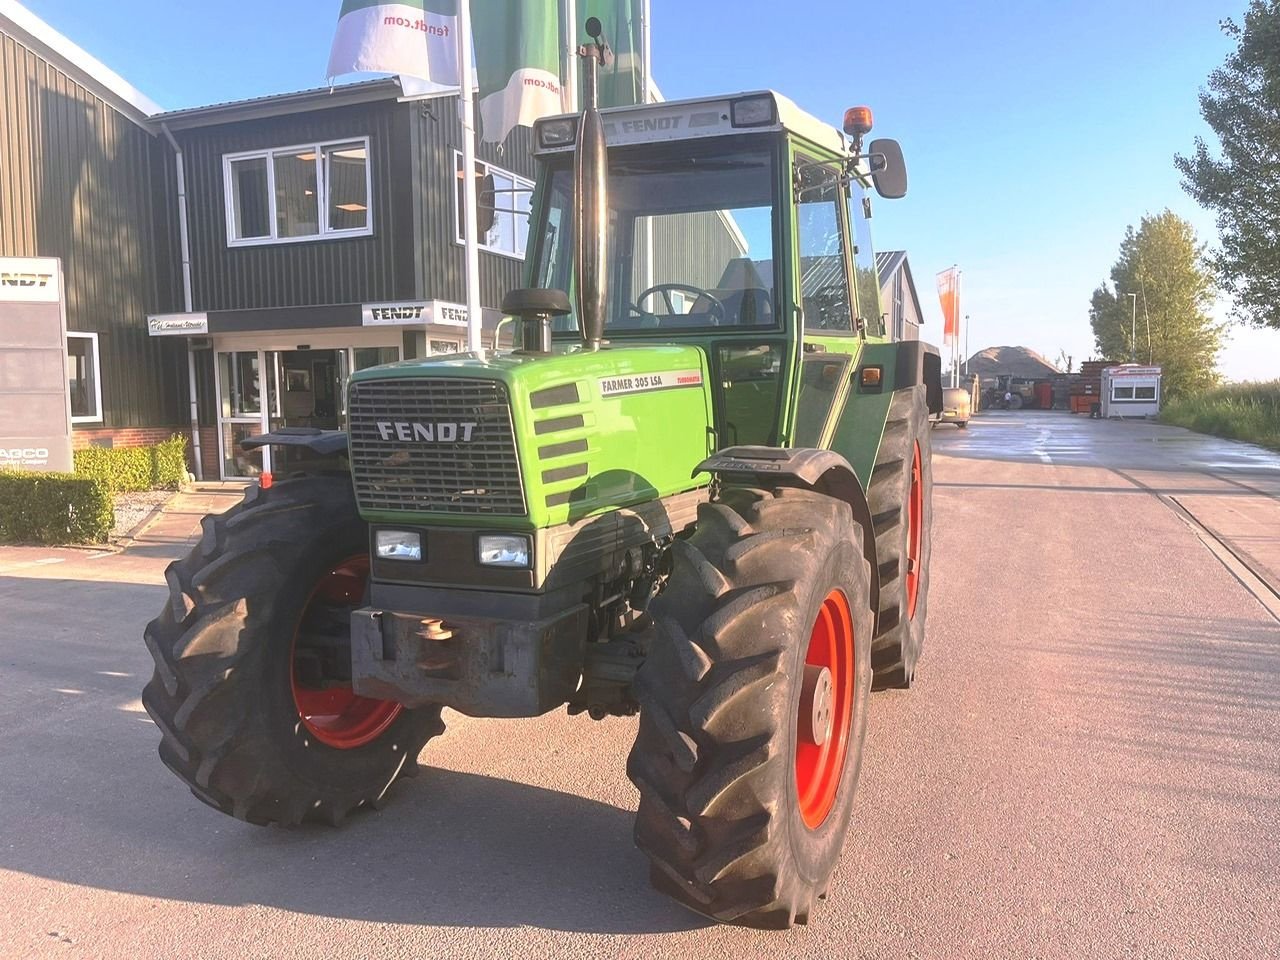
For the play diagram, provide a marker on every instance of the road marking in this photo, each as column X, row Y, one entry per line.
column 48, row 560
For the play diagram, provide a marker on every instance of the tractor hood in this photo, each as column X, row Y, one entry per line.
column 523, row 442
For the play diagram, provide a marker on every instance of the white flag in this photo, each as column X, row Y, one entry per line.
column 402, row 37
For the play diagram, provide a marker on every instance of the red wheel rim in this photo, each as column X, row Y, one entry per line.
column 826, row 710
column 915, row 529
column 336, row 715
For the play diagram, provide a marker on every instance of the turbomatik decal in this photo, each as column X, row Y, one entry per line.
column 645, row 382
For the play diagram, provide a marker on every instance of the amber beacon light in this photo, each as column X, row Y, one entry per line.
column 857, row 121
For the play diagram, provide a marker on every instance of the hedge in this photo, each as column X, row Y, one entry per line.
column 53, row 508
column 131, row 469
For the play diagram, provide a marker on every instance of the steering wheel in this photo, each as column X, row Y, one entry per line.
column 666, row 289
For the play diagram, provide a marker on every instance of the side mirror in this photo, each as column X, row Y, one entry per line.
column 888, row 169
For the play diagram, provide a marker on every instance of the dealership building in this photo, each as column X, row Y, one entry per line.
column 227, row 266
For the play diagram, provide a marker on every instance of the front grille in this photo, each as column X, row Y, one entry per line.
column 460, row 455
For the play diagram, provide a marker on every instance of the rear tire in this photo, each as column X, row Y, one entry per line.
column 225, row 692
column 742, row 812
column 904, row 592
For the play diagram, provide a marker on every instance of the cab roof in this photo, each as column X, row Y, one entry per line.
column 696, row 118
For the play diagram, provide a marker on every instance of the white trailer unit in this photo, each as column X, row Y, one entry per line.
column 1130, row 390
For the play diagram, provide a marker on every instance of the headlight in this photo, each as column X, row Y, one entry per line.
column 504, row 551
column 557, row 133
column 398, row 545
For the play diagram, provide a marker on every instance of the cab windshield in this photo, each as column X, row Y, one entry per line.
column 690, row 238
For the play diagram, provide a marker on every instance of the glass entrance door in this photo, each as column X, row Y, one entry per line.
column 240, row 414
column 306, row 388
column 261, row 390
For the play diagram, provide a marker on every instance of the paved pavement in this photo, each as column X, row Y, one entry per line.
column 1087, row 767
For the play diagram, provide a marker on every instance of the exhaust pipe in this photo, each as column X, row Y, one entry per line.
column 591, row 201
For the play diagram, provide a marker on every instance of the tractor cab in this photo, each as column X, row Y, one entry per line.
column 739, row 224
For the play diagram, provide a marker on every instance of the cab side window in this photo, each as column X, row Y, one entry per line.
column 824, row 282
column 864, row 262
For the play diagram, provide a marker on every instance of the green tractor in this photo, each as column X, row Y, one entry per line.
column 701, row 493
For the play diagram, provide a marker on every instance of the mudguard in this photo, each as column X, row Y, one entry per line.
column 323, row 443
column 823, row 471
column 920, row 362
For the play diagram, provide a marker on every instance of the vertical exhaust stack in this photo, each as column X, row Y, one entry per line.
column 591, row 201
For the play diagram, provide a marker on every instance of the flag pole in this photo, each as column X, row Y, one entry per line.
column 646, row 97
column 569, row 56
column 466, row 72
column 955, row 341
column 646, row 48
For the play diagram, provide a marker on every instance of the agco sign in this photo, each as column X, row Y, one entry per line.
column 35, row 409
column 24, row 457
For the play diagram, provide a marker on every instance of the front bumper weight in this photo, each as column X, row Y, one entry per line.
column 478, row 666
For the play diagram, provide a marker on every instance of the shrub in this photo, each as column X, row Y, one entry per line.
column 1240, row 411
column 53, row 508
column 131, row 469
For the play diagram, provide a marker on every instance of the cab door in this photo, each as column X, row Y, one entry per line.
column 831, row 335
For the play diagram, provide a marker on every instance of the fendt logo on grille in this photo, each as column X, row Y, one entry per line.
column 410, row 431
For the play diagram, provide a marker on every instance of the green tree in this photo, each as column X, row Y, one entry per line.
column 1164, row 266
column 1242, row 106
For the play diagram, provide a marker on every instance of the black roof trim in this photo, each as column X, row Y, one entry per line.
column 281, row 104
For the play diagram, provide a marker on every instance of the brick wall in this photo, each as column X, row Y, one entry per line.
column 209, row 452
column 83, row 437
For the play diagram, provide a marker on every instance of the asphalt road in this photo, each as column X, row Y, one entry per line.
column 1088, row 766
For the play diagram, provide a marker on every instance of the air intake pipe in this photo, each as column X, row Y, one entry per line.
column 591, row 200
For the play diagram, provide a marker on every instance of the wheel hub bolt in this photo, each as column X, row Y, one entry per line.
column 816, row 696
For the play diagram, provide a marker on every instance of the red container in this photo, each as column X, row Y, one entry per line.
column 1044, row 395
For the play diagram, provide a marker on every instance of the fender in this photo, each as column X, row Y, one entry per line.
column 919, row 362
column 321, row 442
column 822, row 471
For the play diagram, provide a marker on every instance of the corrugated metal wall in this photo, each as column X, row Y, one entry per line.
column 437, row 133
column 82, row 182
column 355, row 270
column 689, row 248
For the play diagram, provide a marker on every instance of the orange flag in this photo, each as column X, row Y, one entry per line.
column 949, row 297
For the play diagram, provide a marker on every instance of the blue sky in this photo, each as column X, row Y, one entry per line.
column 1034, row 132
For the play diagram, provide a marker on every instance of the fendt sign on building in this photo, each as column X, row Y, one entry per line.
column 35, row 408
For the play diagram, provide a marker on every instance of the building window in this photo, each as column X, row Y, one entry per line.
column 84, row 377
column 1144, row 393
column 1122, row 393
column 308, row 192
column 502, row 207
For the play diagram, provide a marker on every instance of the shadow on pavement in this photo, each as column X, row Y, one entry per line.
column 85, row 800
column 452, row 849
column 1198, row 705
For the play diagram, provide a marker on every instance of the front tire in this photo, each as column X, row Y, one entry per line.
column 753, row 707
column 248, row 689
